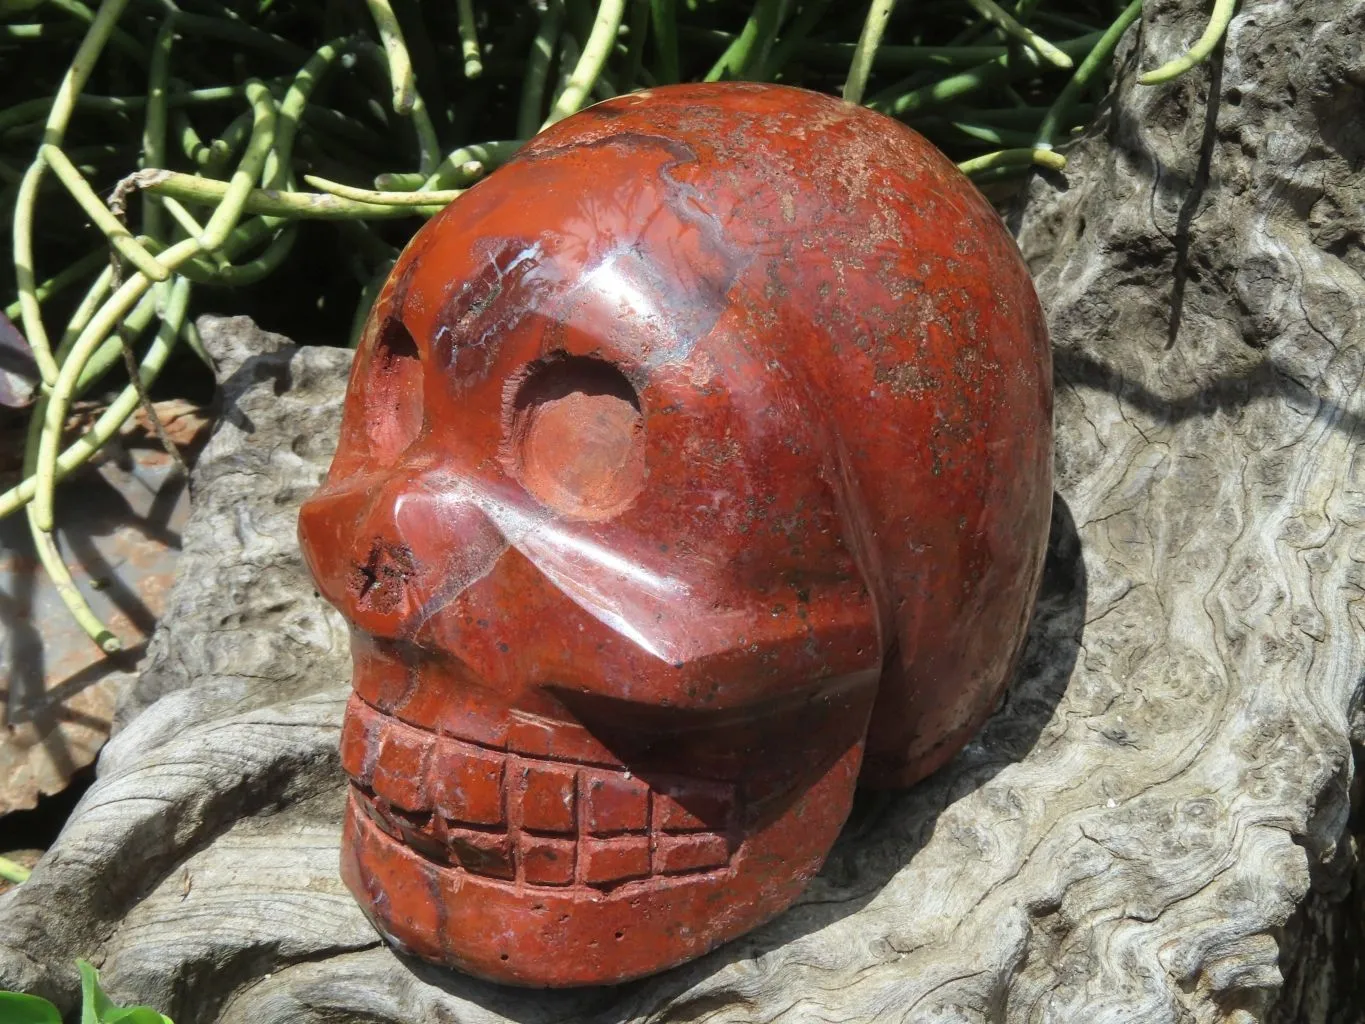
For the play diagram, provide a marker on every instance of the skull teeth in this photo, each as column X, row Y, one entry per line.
column 528, row 819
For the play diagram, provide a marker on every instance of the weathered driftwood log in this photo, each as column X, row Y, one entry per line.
column 1153, row 826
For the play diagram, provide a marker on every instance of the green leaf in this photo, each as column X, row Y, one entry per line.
column 17, row 1008
column 135, row 1015
column 95, row 1005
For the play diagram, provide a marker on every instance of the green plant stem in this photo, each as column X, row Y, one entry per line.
column 86, row 309
column 960, row 86
column 428, row 145
column 1013, row 158
column 866, row 51
column 1006, row 22
column 1009, row 117
column 59, row 282
column 37, row 481
column 154, row 127
column 59, row 116
column 998, row 174
column 190, row 334
column 793, row 40
column 469, row 40
column 345, row 128
column 248, row 172
column 663, row 22
column 757, row 32
column 1200, row 51
column 365, row 195
column 366, row 241
column 234, row 31
column 105, row 355
column 36, row 31
column 38, row 109
column 190, row 189
column 119, row 236
column 223, row 148
column 401, row 181
column 1070, row 26
column 113, row 310
column 192, row 144
column 109, row 423
column 400, row 64
column 118, row 39
column 566, row 59
column 12, row 872
column 989, row 134
column 277, row 174
column 1094, row 62
column 589, row 67
column 407, row 101
column 902, row 58
column 51, row 560
column 538, row 69
column 300, row 91
column 111, row 351
column 239, row 275
column 455, row 171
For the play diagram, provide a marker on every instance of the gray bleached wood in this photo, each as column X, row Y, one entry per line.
column 1150, row 825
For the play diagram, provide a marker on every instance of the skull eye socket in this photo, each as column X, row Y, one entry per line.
column 576, row 437
column 393, row 393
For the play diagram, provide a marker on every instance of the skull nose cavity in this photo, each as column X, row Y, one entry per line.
column 381, row 581
column 412, row 552
column 576, row 437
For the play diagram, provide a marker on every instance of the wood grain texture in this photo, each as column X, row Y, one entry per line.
column 1152, row 827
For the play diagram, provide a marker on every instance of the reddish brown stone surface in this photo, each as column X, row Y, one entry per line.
column 711, row 429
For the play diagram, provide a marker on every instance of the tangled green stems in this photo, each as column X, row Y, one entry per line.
column 1094, row 61
column 230, row 225
column 59, row 116
column 900, row 102
column 119, row 236
column 112, row 419
column 89, row 342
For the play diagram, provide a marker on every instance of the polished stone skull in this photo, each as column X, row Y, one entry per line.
column 695, row 466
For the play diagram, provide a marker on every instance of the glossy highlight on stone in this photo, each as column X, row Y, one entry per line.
column 695, row 468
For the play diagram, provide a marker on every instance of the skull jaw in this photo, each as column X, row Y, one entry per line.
column 559, row 937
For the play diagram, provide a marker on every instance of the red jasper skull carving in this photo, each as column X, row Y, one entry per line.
column 709, row 430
